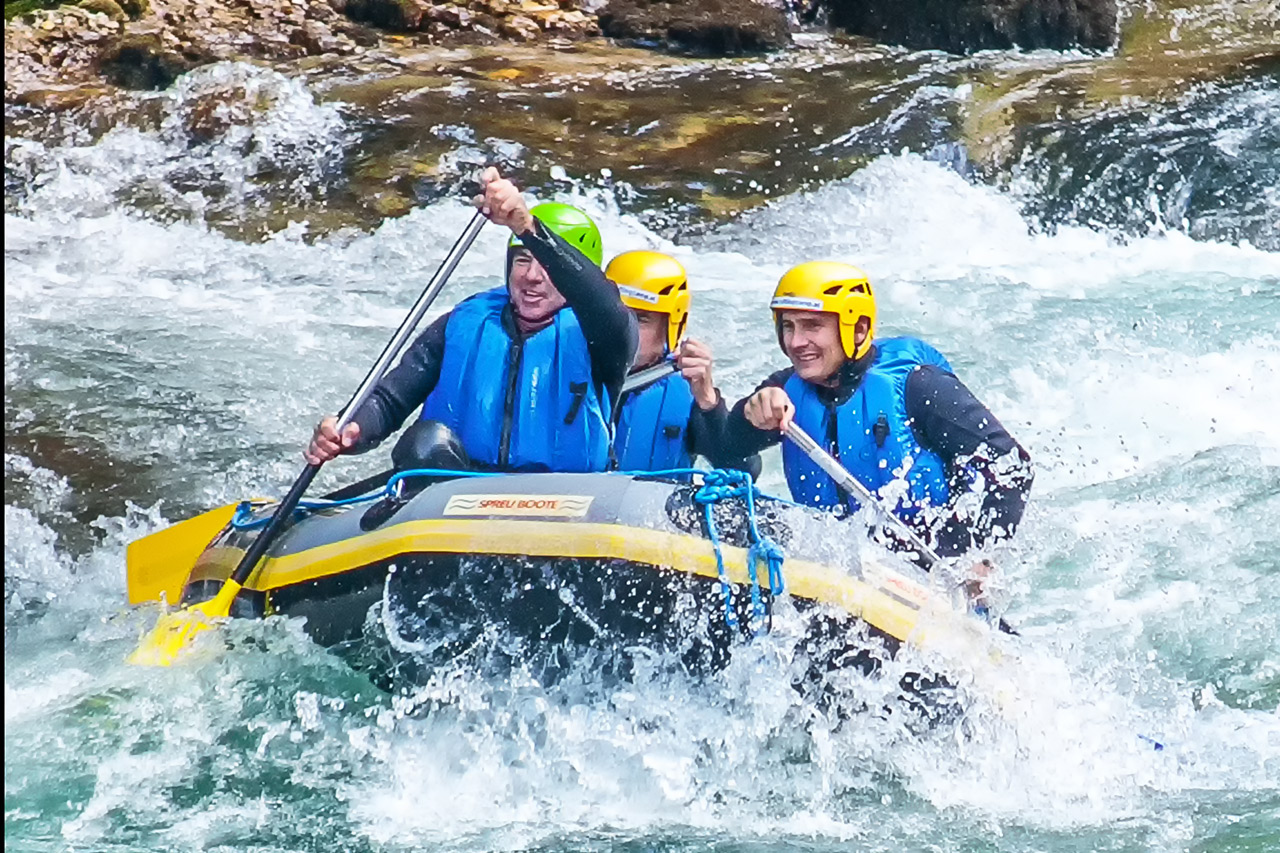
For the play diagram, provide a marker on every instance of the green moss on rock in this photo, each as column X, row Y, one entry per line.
column 21, row 7
column 110, row 8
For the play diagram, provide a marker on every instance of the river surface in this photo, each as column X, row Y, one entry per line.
column 156, row 366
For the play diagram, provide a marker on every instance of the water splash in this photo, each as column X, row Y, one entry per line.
column 230, row 136
column 1205, row 166
column 1139, row 583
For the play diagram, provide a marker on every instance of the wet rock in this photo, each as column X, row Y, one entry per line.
column 63, row 99
column 570, row 21
column 135, row 9
column 520, row 27
column 317, row 39
column 110, row 8
column 963, row 26
column 391, row 204
column 210, row 115
column 715, row 27
column 520, row 20
column 454, row 17
column 402, row 16
column 323, row 12
column 143, row 61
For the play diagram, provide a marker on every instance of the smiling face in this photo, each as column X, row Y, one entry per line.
column 533, row 297
column 811, row 340
column 653, row 337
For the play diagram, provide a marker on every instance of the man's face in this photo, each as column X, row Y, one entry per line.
column 811, row 340
column 533, row 297
column 653, row 337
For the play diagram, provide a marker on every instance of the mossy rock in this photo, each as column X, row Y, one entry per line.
column 110, row 8
column 22, row 7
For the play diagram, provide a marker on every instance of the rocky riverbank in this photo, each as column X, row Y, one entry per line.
column 146, row 44
column 409, row 113
column 50, row 52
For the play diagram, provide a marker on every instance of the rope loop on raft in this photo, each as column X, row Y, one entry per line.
column 727, row 484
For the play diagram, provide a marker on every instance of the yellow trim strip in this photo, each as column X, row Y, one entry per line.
column 881, row 607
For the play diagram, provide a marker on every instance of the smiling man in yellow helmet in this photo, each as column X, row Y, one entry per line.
column 889, row 409
column 666, row 423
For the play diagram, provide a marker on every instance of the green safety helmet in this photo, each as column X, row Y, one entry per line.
column 570, row 223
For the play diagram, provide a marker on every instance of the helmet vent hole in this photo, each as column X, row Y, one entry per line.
column 665, row 290
column 833, row 289
column 860, row 288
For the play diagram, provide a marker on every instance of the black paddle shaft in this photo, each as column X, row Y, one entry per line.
column 285, row 508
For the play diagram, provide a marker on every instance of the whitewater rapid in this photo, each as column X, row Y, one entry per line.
column 168, row 368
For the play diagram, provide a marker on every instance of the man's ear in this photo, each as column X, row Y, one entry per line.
column 861, row 329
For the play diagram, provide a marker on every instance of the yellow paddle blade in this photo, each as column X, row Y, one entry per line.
column 158, row 565
column 175, row 631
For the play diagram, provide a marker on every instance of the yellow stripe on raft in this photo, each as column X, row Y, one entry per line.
column 889, row 611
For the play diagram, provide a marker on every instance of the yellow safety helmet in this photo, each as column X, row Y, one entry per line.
column 652, row 281
column 831, row 287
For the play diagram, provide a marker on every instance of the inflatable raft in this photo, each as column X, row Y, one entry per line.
column 578, row 560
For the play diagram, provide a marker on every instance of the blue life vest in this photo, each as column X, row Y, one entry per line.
column 547, row 415
column 873, row 439
column 652, row 426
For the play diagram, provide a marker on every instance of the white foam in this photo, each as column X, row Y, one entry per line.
column 1119, row 365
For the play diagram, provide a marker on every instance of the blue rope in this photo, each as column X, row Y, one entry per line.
column 396, row 478
column 243, row 517
column 719, row 485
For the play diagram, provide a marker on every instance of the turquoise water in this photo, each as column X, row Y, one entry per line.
column 156, row 369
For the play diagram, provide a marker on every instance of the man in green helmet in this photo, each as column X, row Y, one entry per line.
column 518, row 378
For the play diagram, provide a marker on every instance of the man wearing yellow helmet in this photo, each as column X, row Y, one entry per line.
column 889, row 409
column 521, row 377
column 665, row 423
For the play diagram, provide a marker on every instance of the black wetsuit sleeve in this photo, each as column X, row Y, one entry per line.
column 949, row 420
column 705, row 437
column 741, row 440
column 403, row 389
column 608, row 325
column 705, row 428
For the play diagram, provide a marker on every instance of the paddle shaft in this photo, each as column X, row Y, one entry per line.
column 286, row 507
column 648, row 376
column 849, row 483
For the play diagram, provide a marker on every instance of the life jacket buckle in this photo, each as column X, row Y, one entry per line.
column 579, row 392
column 880, row 429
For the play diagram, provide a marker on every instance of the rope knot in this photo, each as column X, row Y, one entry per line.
column 723, row 484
